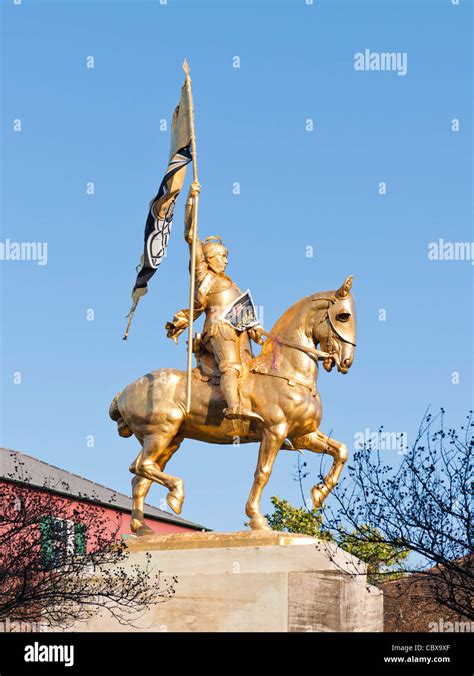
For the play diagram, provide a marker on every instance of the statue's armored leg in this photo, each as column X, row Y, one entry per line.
column 272, row 440
column 230, row 387
column 321, row 443
column 148, row 467
column 227, row 354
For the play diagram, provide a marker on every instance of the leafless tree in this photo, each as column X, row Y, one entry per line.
column 61, row 562
column 424, row 505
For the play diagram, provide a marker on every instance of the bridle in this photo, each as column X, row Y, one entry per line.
column 310, row 351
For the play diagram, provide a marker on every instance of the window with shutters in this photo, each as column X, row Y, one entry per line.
column 60, row 538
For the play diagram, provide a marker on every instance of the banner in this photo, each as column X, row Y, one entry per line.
column 160, row 215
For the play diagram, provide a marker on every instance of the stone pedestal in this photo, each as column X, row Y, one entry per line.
column 255, row 581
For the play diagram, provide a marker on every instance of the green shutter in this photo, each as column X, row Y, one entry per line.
column 80, row 538
column 46, row 541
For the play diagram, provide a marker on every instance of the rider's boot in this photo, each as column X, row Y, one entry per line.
column 235, row 409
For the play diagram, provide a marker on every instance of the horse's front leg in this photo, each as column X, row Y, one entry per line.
column 321, row 443
column 272, row 440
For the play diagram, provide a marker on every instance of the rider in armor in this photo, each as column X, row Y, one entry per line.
column 214, row 293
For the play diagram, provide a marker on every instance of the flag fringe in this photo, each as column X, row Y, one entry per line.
column 136, row 295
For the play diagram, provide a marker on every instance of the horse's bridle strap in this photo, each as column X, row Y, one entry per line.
column 309, row 350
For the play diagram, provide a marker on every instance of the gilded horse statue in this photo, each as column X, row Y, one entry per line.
column 279, row 384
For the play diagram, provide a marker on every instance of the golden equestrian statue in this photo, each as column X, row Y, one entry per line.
column 270, row 398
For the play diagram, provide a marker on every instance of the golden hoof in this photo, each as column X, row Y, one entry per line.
column 140, row 528
column 259, row 523
column 175, row 502
column 317, row 496
column 144, row 530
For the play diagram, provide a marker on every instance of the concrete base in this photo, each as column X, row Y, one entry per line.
column 253, row 581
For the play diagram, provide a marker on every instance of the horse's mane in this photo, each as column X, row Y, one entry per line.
column 293, row 309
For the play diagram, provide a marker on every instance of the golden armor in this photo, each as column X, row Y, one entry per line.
column 214, row 293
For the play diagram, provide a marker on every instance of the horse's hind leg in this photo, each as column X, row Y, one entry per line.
column 321, row 443
column 140, row 488
column 152, row 459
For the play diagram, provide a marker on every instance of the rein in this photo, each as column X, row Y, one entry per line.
column 291, row 379
column 308, row 350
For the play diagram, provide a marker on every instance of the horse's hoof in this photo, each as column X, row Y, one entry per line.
column 140, row 528
column 175, row 502
column 317, row 496
column 144, row 530
column 259, row 523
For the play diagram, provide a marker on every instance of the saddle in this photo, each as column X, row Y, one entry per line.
column 207, row 368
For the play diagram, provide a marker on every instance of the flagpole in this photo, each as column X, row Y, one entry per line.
column 193, row 243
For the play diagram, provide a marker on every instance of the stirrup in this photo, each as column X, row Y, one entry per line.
column 241, row 413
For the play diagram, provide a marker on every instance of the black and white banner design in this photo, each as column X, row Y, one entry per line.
column 158, row 226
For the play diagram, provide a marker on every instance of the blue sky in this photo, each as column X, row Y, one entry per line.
column 297, row 189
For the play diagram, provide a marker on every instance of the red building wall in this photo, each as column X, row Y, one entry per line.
column 109, row 516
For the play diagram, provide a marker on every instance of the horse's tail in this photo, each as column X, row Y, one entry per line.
column 114, row 412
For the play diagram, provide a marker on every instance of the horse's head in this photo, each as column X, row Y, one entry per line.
column 336, row 335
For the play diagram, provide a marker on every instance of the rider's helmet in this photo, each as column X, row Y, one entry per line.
column 213, row 246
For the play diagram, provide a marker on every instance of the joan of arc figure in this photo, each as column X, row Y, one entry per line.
column 228, row 312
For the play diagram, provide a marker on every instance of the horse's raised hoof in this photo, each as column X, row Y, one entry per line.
column 259, row 523
column 317, row 495
column 175, row 500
